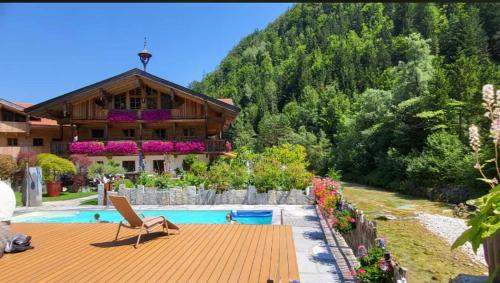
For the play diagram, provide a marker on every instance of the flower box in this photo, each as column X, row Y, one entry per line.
column 157, row 146
column 156, row 115
column 122, row 116
column 91, row 147
column 121, row 147
column 189, row 147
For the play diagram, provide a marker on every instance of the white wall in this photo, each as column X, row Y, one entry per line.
column 175, row 161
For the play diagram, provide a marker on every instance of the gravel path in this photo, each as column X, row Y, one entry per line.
column 450, row 228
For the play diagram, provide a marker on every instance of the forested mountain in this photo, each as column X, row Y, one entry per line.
column 383, row 92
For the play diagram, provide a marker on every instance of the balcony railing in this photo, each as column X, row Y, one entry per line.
column 211, row 146
column 13, row 127
column 175, row 114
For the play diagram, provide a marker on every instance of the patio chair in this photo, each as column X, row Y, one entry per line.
column 123, row 206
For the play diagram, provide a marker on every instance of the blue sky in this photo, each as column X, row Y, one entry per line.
column 49, row 49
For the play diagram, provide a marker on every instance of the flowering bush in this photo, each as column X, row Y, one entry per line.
column 156, row 115
column 157, row 146
column 121, row 147
column 122, row 116
column 485, row 225
column 189, row 147
column 373, row 267
column 91, row 148
column 343, row 221
column 329, row 198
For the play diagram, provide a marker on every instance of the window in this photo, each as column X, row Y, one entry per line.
column 188, row 132
column 135, row 98
column 160, row 134
column 135, row 103
column 11, row 141
column 37, row 142
column 166, row 101
column 100, row 162
column 97, row 133
column 129, row 165
column 121, row 101
column 129, row 133
column 152, row 98
column 12, row 117
column 159, row 166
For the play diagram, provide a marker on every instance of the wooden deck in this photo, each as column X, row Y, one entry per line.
column 199, row 253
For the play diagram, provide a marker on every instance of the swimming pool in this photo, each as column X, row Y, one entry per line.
column 175, row 216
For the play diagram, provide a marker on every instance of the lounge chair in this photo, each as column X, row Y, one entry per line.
column 123, row 206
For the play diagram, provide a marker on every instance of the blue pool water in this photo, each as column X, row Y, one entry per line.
column 175, row 216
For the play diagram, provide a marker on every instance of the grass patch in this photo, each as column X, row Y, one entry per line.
column 428, row 257
column 89, row 202
column 62, row 196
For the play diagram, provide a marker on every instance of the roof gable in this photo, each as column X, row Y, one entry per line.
column 133, row 72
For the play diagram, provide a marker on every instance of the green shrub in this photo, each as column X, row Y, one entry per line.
column 444, row 160
column 147, row 179
column 54, row 166
column 192, row 180
column 128, row 184
column 334, row 174
column 219, row 177
column 188, row 161
column 198, row 168
column 282, row 167
column 8, row 166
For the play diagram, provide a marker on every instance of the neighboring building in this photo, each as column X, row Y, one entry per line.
column 21, row 132
column 138, row 108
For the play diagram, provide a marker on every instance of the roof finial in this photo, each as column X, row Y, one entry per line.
column 144, row 55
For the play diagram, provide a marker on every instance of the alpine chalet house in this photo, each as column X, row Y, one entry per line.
column 139, row 120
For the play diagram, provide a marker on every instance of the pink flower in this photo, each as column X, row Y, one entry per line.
column 91, row 147
column 189, row 147
column 474, row 141
column 156, row 115
column 228, row 146
column 121, row 147
column 121, row 116
column 157, row 146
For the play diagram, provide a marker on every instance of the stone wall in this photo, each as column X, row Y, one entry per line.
column 192, row 195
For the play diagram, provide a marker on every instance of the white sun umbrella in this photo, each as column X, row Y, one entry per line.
column 7, row 202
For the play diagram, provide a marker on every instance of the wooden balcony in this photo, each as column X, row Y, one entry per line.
column 14, row 127
column 211, row 146
column 176, row 114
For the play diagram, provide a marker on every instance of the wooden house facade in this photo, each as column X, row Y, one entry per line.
column 137, row 107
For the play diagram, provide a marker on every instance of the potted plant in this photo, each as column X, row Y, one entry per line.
column 484, row 226
column 53, row 167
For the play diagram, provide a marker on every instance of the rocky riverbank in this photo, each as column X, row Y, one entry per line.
column 450, row 228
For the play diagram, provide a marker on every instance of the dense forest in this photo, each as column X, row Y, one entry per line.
column 382, row 93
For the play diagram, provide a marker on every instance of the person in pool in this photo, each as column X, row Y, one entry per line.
column 229, row 218
column 97, row 218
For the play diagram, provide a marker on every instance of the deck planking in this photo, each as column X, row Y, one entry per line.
column 198, row 253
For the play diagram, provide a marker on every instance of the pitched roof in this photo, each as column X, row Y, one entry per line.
column 11, row 105
column 129, row 73
column 41, row 122
column 227, row 100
